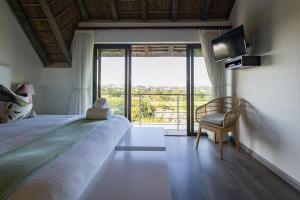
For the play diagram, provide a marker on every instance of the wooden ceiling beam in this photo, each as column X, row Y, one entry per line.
column 155, row 24
column 37, row 4
column 207, row 7
column 114, row 10
column 64, row 10
column 230, row 9
column 38, row 19
column 82, row 10
column 147, row 50
column 19, row 12
column 69, row 24
column 144, row 9
column 55, row 29
column 30, row 4
column 171, row 50
column 175, row 8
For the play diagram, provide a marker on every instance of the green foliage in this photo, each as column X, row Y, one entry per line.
column 146, row 110
column 155, row 105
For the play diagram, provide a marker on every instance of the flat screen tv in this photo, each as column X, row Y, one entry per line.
column 230, row 45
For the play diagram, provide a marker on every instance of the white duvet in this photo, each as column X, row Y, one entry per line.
column 66, row 177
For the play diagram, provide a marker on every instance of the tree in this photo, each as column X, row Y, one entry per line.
column 147, row 110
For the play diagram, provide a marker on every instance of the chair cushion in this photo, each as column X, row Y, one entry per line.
column 214, row 118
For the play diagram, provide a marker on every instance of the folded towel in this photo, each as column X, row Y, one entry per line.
column 101, row 103
column 98, row 114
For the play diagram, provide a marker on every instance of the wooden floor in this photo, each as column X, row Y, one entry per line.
column 200, row 174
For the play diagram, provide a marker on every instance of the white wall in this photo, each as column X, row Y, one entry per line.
column 57, row 84
column 270, row 126
column 17, row 53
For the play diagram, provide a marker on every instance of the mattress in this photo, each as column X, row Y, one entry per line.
column 67, row 176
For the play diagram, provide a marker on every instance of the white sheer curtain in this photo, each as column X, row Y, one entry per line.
column 215, row 70
column 82, row 66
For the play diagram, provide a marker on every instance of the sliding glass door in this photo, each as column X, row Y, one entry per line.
column 159, row 87
column 168, row 83
column 111, row 76
column 199, row 85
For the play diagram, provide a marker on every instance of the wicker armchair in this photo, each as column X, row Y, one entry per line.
column 220, row 116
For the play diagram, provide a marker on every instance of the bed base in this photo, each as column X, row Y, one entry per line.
column 137, row 169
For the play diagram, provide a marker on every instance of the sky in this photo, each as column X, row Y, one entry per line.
column 153, row 71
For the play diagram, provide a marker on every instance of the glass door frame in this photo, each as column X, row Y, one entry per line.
column 127, row 47
column 97, row 74
column 190, row 59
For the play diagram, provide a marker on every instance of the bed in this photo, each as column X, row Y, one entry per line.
column 66, row 176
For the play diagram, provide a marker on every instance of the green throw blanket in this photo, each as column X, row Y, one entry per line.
column 20, row 163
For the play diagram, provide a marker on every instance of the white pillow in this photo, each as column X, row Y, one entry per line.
column 16, row 106
column 15, row 112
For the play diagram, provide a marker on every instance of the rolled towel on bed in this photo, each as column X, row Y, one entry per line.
column 98, row 114
column 101, row 103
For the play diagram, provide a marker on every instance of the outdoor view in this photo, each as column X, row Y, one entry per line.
column 158, row 89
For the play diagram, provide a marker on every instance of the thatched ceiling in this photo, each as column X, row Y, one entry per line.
column 50, row 24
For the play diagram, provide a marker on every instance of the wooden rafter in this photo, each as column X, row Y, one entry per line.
column 200, row 24
column 147, row 51
column 171, row 50
column 175, row 7
column 55, row 29
column 144, row 9
column 207, row 6
column 230, row 9
column 82, row 9
column 37, row 4
column 114, row 10
column 27, row 27
column 63, row 11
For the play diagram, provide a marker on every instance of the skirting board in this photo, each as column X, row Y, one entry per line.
column 287, row 178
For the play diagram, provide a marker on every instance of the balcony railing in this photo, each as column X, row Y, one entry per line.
column 164, row 110
column 168, row 110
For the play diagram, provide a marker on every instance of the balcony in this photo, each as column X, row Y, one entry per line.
column 167, row 110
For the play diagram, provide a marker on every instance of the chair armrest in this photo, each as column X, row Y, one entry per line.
column 205, row 109
column 200, row 112
column 231, row 117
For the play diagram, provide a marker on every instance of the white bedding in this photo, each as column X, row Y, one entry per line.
column 66, row 177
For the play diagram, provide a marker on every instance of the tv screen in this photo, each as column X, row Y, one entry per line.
column 230, row 45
